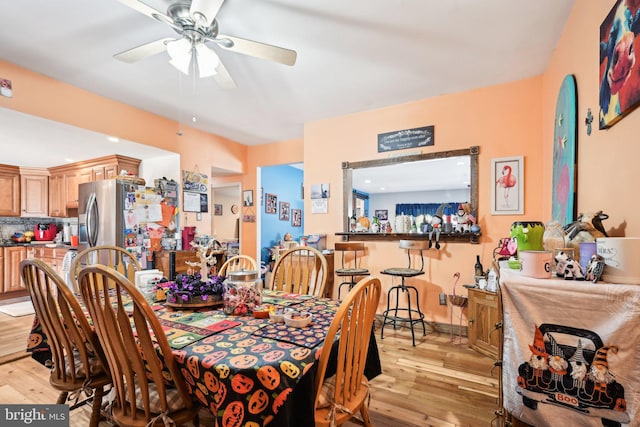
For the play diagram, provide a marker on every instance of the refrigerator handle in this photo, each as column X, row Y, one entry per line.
column 92, row 220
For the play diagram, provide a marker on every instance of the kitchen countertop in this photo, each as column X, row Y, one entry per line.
column 5, row 244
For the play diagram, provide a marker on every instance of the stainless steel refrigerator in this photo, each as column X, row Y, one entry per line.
column 101, row 213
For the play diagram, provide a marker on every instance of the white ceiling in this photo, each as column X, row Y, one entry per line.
column 352, row 56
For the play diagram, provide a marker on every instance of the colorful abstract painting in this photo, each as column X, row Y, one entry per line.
column 619, row 72
column 564, row 153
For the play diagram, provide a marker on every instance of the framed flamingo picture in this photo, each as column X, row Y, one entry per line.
column 507, row 188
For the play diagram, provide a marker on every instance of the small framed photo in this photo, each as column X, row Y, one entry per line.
column 296, row 217
column 507, row 186
column 284, row 211
column 271, row 203
column 382, row 214
column 320, row 191
column 217, row 209
column 247, row 197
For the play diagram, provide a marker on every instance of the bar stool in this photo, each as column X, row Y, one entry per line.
column 408, row 314
column 351, row 268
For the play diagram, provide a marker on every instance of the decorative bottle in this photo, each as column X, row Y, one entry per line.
column 479, row 271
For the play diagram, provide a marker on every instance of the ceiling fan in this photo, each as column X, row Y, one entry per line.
column 195, row 23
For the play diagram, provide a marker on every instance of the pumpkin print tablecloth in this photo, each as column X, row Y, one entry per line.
column 232, row 364
column 245, row 378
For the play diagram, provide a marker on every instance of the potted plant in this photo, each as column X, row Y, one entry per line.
column 191, row 290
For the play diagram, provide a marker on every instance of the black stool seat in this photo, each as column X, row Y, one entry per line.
column 409, row 315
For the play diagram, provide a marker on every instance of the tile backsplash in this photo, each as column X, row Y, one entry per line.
column 10, row 225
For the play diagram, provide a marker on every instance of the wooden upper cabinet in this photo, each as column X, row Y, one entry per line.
column 56, row 195
column 34, row 192
column 87, row 171
column 9, row 190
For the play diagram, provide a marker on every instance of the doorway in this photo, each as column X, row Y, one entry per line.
column 226, row 202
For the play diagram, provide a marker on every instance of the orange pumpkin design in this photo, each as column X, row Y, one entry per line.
column 211, row 381
column 279, row 401
column 223, row 370
column 34, row 340
column 241, row 384
column 273, row 356
column 258, row 401
column 233, row 415
column 194, row 366
column 243, row 361
column 269, row 377
column 204, row 348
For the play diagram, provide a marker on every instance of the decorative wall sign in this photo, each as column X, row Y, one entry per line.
column 194, row 181
column 507, row 188
column 563, row 202
column 284, row 211
column 619, row 79
column 402, row 139
column 271, row 205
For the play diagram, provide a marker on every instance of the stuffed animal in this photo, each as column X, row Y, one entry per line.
column 462, row 220
column 595, row 268
column 568, row 267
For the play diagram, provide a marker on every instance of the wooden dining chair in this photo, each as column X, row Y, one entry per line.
column 301, row 270
column 238, row 262
column 79, row 364
column 149, row 387
column 341, row 395
column 115, row 257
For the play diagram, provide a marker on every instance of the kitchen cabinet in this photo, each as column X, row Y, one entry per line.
column 485, row 322
column 56, row 196
column 34, row 192
column 54, row 257
column 9, row 190
column 77, row 173
column 13, row 255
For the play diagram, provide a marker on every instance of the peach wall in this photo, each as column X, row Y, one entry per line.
column 262, row 155
column 606, row 158
column 42, row 96
column 503, row 120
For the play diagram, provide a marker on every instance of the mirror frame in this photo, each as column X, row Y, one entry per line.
column 347, row 186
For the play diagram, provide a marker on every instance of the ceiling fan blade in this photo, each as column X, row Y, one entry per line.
column 143, row 51
column 142, row 8
column 257, row 49
column 223, row 78
column 205, row 11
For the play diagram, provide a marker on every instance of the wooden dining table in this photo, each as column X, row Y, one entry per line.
column 247, row 371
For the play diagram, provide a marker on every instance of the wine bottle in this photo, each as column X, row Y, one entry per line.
column 479, row 271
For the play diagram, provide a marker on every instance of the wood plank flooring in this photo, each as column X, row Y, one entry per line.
column 435, row 384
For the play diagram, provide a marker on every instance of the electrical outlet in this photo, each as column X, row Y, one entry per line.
column 443, row 299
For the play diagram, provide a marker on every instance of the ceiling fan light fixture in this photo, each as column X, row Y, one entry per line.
column 180, row 53
column 207, row 60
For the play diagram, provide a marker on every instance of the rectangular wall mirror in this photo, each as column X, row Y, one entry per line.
column 378, row 188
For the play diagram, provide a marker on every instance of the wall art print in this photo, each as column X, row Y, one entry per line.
column 619, row 70
column 507, row 190
column 284, row 211
column 271, row 203
column 563, row 203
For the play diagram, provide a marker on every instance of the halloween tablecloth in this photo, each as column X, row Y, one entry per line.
column 570, row 351
column 234, row 368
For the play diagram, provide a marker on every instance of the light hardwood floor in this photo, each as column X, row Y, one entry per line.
column 436, row 383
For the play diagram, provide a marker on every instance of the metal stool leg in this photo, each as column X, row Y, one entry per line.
column 385, row 314
column 417, row 309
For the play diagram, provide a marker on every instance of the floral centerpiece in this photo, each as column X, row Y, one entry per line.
column 190, row 289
